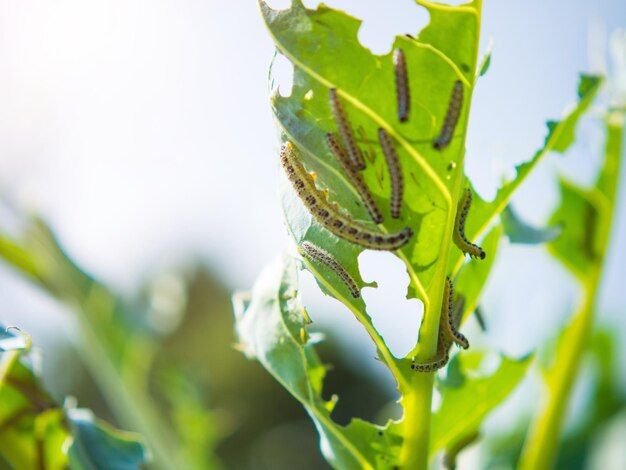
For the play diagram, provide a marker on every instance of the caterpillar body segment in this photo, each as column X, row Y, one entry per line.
column 448, row 321
column 459, row 238
column 329, row 215
column 403, row 94
column 345, row 131
column 340, row 154
column 395, row 172
column 315, row 253
column 439, row 361
column 452, row 117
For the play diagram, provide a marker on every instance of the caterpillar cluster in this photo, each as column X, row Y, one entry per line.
column 345, row 131
column 463, row 207
column 315, row 253
column 339, row 153
column 452, row 117
column 395, row 172
column 449, row 322
column 403, row 95
column 329, row 215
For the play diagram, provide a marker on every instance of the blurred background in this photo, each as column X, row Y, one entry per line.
column 141, row 132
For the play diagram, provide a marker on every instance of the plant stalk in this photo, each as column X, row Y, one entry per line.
column 541, row 447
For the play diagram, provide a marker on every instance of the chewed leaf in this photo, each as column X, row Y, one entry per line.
column 320, row 43
column 96, row 445
column 559, row 138
column 518, row 231
column 268, row 329
column 465, row 406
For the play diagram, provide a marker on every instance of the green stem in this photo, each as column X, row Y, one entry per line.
column 541, row 447
column 417, row 406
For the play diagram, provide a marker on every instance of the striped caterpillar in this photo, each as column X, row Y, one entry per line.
column 329, row 215
column 312, row 252
column 452, row 117
column 449, row 321
column 395, row 172
column 402, row 85
column 340, row 154
column 451, row 317
column 345, row 131
column 462, row 209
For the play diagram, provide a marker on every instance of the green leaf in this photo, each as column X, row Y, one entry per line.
column 98, row 446
column 269, row 325
column 559, row 139
column 464, row 407
column 518, row 231
column 579, row 214
column 485, row 62
column 319, row 43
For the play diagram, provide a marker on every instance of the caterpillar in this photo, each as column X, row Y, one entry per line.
column 402, row 85
column 395, row 172
column 338, row 151
column 440, row 360
column 313, row 252
column 462, row 209
column 450, row 319
column 329, row 215
column 452, row 117
column 345, row 131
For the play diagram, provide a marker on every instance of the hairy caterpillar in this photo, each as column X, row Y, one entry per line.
column 312, row 252
column 340, row 154
column 450, row 317
column 402, row 85
column 449, row 321
column 395, row 172
column 345, row 131
column 462, row 209
column 452, row 117
column 329, row 215
column 440, row 360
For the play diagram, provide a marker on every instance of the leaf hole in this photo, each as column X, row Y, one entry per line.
column 382, row 21
column 395, row 317
column 281, row 76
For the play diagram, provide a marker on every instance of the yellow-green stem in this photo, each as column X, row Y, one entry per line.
column 540, row 448
column 417, row 405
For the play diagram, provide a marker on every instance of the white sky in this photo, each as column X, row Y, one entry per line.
column 142, row 131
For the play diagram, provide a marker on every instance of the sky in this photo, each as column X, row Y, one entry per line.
column 141, row 130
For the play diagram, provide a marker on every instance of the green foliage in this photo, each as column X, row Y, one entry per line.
column 118, row 344
column 323, row 47
column 467, row 400
column 586, row 215
column 37, row 432
column 518, row 231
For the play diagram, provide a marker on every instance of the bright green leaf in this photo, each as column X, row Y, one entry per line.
column 463, row 408
column 268, row 328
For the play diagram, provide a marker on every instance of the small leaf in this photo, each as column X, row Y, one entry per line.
column 485, row 62
column 268, row 329
column 98, row 446
column 518, row 231
column 464, row 408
